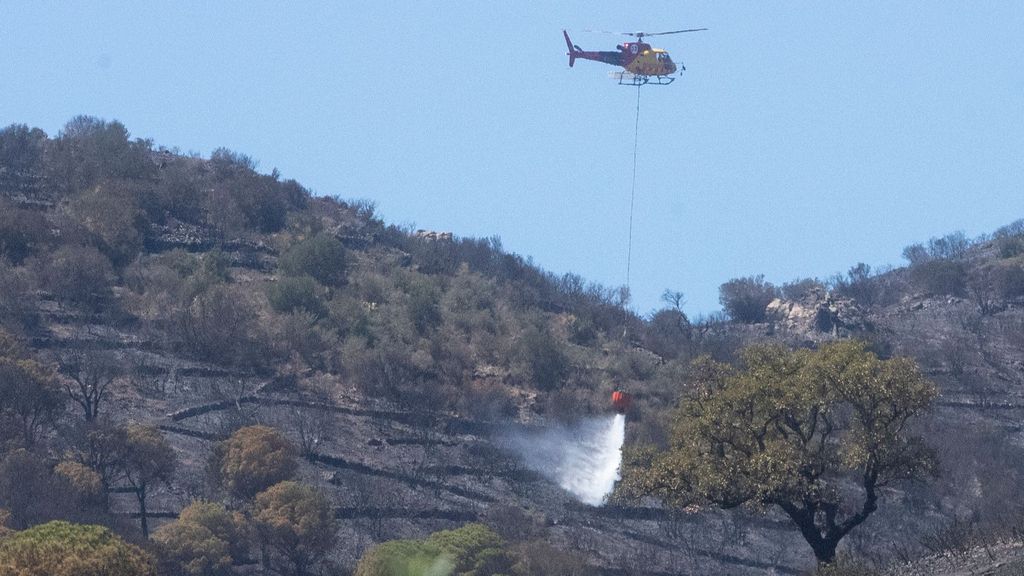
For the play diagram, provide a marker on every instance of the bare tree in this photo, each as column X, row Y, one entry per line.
column 89, row 377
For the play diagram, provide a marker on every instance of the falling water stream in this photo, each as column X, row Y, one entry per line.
column 583, row 459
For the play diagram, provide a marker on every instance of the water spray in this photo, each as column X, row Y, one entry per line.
column 583, row 458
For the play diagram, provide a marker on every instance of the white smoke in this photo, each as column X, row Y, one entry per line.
column 584, row 458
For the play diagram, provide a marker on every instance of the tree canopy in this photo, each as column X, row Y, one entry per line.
column 794, row 429
column 65, row 549
column 255, row 458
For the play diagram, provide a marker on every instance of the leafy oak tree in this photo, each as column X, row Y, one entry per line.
column 147, row 460
column 65, row 549
column 205, row 540
column 815, row 433
column 253, row 459
column 296, row 527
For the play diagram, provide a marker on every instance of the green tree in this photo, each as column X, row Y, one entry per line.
column 65, row 549
column 322, row 257
column 295, row 525
column 205, row 540
column 30, row 399
column 147, row 460
column 788, row 430
column 253, row 459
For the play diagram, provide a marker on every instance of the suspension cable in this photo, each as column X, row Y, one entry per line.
column 632, row 197
column 632, row 191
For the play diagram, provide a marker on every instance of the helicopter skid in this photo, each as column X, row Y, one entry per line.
column 630, row 79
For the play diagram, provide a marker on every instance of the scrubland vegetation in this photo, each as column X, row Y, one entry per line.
column 140, row 288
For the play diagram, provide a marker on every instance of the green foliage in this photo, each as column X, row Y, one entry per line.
column 321, row 257
column 1010, row 240
column 205, row 540
column 253, row 459
column 780, row 430
column 146, row 459
column 30, row 397
column 473, row 550
column 291, row 293
column 65, row 549
column 296, row 523
column 745, row 299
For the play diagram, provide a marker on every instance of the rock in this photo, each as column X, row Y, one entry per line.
column 818, row 315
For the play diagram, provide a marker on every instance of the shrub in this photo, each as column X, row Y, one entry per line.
column 952, row 246
column 540, row 359
column 110, row 212
column 21, row 149
column 1009, row 282
column 292, row 293
column 65, row 549
column 940, row 277
column 219, row 324
column 77, row 274
column 745, row 299
column 89, row 150
column 321, row 257
column 21, row 232
column 799, row 289
column 473, row 550
column 1010, row 239
column 668, row 333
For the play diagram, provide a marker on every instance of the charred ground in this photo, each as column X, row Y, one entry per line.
column 199, row 295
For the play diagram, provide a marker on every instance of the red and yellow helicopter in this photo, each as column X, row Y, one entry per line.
column 641, row 63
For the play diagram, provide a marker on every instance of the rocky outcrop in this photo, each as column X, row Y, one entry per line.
column 818, row 315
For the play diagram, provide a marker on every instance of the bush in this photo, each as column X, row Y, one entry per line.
column 952, row 246
column 21, row 150
column 321, row 257
column 1009, row 282
column 219, row 324
column 668, row 333
column 539, row 358
column 1010, row 239
column 292, row 293
column 110, row 212
column 473, row 550
column 940, row 277
column 745, row 299
column 22, row 232
column 89, row 150
column 77, row 274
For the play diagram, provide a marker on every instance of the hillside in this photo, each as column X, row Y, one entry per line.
column 200, row 296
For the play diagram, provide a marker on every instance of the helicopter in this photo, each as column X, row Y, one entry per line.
column 641, row 63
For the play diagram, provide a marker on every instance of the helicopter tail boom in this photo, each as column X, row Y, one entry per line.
column 572, row 49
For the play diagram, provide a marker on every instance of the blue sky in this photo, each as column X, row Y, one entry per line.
column 804, row 137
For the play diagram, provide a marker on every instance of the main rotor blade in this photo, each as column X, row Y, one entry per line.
column 674, row 32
